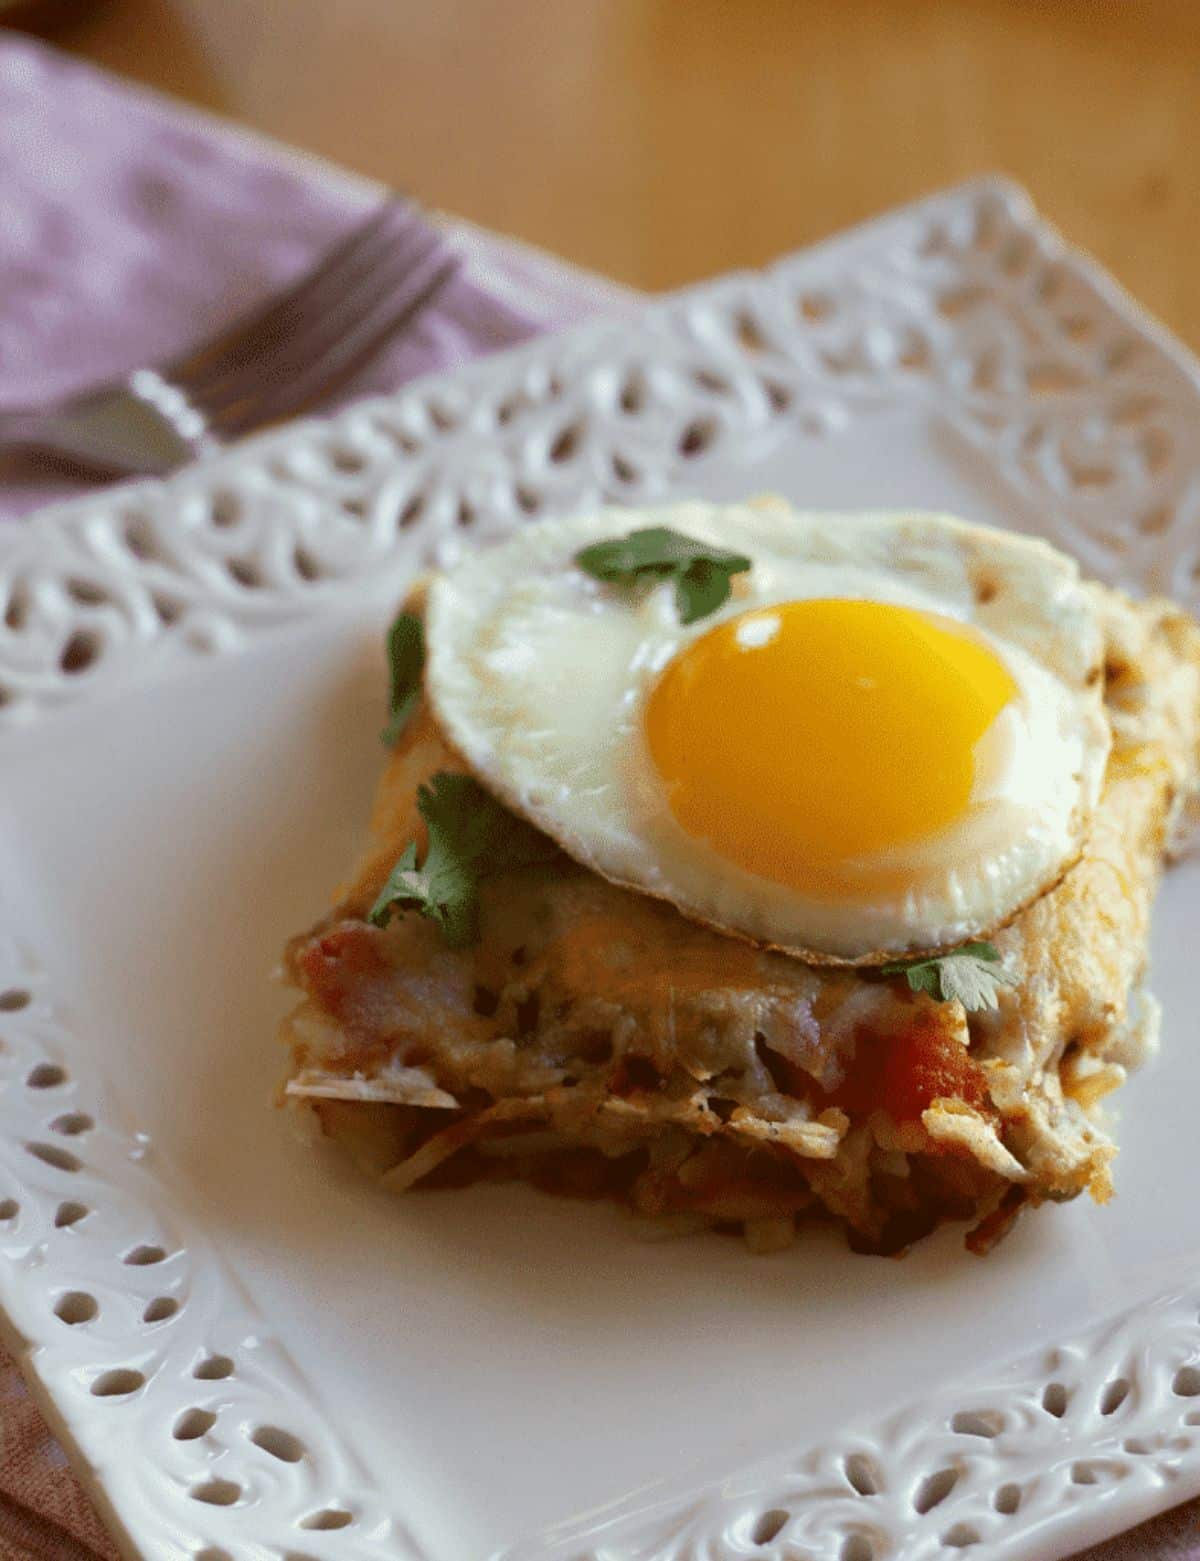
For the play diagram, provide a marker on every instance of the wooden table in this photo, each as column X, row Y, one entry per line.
column 663, row 140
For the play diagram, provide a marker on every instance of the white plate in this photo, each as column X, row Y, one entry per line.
column 252, row 1352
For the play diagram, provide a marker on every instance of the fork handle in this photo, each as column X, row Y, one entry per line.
column 118, row 429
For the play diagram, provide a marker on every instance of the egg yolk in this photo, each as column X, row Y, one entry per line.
column 798, row 738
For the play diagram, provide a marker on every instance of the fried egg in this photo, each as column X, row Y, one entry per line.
column 888, row 739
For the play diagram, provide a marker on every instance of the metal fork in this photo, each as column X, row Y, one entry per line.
column 277, row 360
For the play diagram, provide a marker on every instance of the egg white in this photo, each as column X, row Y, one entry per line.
column 538, row 675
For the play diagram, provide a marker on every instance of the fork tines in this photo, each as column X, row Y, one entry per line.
column 284, row 356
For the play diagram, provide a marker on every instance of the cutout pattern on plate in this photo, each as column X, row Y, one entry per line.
column 1025, row 354
column 1001, row 1459
column 966, row 301
column 142, row 1338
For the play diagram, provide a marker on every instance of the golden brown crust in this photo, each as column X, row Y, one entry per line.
column 636, row 1052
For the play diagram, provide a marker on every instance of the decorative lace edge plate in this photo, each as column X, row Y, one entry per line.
column 128, row 1321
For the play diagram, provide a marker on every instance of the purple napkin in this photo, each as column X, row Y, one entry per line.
column 131, row 227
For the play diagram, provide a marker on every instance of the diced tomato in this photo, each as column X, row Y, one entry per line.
column 904, row 1073
column 335, row 964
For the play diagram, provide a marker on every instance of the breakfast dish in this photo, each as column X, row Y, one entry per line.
column 745, row 865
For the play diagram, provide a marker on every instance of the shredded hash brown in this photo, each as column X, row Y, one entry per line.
column 597, row 1044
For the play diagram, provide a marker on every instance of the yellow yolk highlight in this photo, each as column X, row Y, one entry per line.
column 797, row 739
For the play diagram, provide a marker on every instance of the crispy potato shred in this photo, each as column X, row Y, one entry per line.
column 597, row 1044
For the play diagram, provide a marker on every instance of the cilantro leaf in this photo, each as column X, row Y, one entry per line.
column 406, row 659
column 702, row 573
column 971, row 975
column 470, row 836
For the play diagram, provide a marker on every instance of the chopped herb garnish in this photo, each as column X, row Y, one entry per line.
column 971, row 975
column 470, row 836
column 406, row 660
column 702, row 573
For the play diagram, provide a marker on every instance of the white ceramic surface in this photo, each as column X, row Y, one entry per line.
column 253, row 1353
